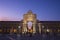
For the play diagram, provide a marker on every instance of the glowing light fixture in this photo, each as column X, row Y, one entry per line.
column 48, row 30
column 19, row 26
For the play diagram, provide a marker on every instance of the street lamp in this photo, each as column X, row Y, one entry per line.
column 19, row 27
column 43, row 26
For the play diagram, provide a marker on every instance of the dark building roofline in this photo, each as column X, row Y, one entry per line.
column 37, row 21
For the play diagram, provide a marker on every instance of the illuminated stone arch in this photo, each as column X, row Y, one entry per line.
column 29, row 17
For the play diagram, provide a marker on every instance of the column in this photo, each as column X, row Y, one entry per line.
column 39, row 25
column 24, row 28
column 34, row 29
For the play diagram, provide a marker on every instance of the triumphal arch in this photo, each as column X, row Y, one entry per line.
column 29, row 22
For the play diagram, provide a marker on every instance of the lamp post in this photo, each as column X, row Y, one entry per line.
column 18, row 35
column 19, row 29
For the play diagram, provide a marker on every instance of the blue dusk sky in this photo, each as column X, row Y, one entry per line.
column 13, row 10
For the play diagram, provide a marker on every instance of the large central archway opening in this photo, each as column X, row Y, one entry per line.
column 29, row 25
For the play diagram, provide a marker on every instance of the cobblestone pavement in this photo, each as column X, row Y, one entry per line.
column 26, row 37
